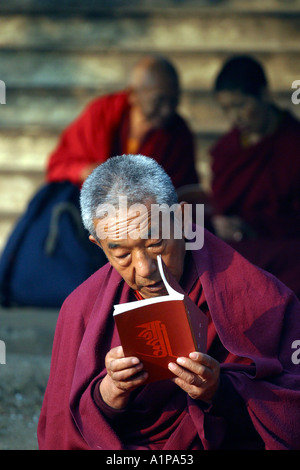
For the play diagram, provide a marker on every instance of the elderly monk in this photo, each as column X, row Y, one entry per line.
column 243, row 394
column 256, row 172
column 140, row 119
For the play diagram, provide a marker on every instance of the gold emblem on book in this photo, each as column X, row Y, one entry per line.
column 155, row 336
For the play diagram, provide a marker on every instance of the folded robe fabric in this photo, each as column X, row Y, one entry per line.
column 255, row 319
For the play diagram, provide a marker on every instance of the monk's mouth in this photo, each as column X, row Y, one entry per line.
column 157, row 287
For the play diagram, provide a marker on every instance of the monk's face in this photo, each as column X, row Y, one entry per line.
column 157, row 100
column 157, row 105
column 245, row 112
column 134, row 253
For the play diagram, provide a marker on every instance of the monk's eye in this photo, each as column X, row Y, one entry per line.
column 157, row 244
column 123, row 256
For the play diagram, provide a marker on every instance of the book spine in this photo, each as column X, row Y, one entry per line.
column 196, row 344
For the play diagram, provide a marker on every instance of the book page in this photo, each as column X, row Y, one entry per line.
column 172, row 295
column 170, row 289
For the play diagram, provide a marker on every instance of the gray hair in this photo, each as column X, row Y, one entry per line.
column 139, row 178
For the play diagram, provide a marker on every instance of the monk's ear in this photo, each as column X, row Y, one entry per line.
column 93, row 240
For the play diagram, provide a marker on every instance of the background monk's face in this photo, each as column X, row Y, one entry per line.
column 136, row 258
column 245, row 112
column 157, row 100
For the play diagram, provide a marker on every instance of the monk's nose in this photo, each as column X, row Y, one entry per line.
column 145, row 265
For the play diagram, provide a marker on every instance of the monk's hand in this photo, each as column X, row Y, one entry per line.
column 124, row 374
column 198, row 375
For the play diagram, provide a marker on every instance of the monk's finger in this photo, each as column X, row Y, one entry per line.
column 115, row 353
column 204, row 359
column 130, row 377
column 133, row 373
column 208, row 369
column 117, row 365
column 186, row 377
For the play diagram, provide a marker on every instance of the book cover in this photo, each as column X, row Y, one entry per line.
column 160, row 329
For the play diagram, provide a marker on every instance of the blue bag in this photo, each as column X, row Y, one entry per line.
column 48, row 253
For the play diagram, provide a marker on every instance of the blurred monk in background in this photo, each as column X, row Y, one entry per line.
column 140, row 119
column 256, row 173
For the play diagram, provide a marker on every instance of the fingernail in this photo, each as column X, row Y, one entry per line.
column 180, row 360
column 193, row 355
column 172, row 366
column 135, row 360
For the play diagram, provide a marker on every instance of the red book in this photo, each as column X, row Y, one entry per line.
column 161, row 329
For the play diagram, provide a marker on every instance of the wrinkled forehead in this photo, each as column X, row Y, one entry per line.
column 137, row 221
column 118, row 224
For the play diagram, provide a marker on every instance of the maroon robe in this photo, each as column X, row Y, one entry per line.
column 261, row 185
column 101, row 131
column 254, row 321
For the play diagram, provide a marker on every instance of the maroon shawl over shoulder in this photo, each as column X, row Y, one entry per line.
column 257, row 320
column 101, row 131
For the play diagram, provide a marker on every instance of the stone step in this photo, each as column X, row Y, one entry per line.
column 138, row 7
column 28, row 330
column 109, row 69
column 22, row 386
column 28, row 336
column 172, row 31
column 17, row 189
column 56, row 108
column 26, row 148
